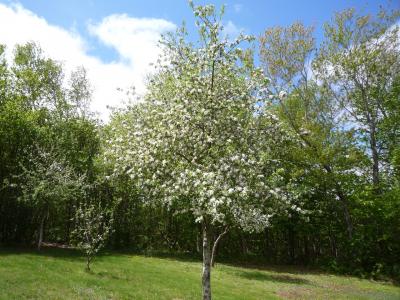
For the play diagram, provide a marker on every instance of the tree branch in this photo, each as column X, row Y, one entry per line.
column 214, row 249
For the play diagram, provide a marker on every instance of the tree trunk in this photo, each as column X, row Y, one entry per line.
column 199, row 240
column 41, row 228
column 306, row 250
column 243, row 244
column 375, row 157
column 334, row 247
column 206, row 277
column 69, row 223
column 371, row 118
column 345, row 204
column 214, row 249
column 291, row 245
column 88, row 263
column 346, row 213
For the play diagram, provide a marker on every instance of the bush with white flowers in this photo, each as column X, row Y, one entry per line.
column 92, row 228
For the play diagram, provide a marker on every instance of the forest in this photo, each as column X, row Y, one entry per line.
column 268, row 149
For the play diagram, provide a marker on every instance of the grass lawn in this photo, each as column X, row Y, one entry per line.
column 59, row 274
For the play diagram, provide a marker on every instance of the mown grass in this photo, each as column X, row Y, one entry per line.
column 60, row 274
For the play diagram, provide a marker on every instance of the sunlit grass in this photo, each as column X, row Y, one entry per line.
column 60, row 274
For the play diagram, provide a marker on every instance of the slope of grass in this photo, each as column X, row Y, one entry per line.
column 60, row 274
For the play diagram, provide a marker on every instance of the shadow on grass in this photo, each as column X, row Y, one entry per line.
column 55, row 252
column 273, row 278
column 183, row 256
column 74, row 254
column 252, row 271
column 284, row 269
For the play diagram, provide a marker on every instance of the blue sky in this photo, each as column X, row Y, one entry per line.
column 252, row 16
column 116, row 40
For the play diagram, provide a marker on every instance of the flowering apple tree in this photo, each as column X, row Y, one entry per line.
column 93, row 225
column 201, row 139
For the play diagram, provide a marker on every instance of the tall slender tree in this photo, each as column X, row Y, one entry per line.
column 358, row 61
column 309, row 110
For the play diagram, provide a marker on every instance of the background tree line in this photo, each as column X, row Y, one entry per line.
column 339, row 102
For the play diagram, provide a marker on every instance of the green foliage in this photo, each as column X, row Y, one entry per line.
column 46, row 141
column 47, row 180
column 339, row 99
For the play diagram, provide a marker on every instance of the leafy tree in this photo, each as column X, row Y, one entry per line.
column 39, row 109
column 358, row 61
column 45, row 184
column 326, row 152
column 37, row 80
column 79, row 93
column 339, row 100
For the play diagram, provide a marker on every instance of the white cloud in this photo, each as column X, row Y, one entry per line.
column 135, row 41
column 237, row 7
column 231, row 30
